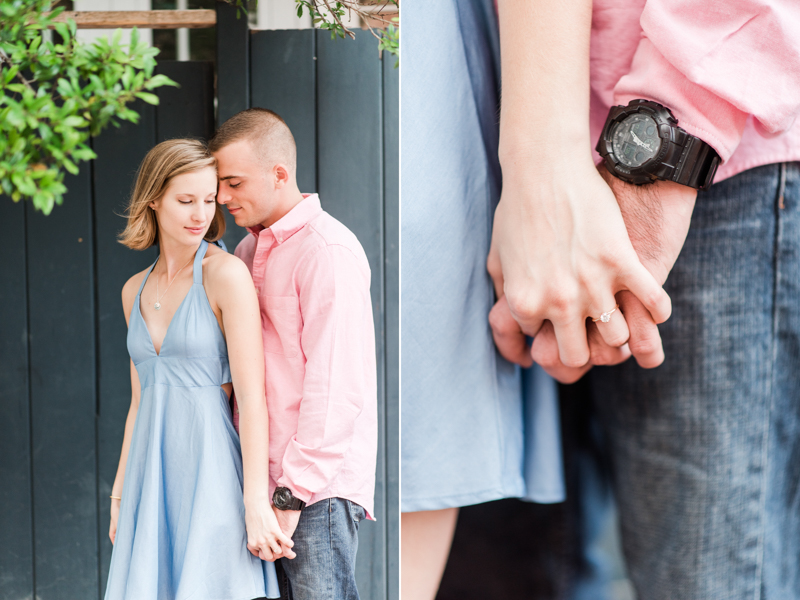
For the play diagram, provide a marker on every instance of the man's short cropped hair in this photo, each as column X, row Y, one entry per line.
column 272, row 140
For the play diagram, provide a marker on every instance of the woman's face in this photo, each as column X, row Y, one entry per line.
column 186, row 210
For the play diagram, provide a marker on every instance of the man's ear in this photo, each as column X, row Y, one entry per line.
column 281, row 174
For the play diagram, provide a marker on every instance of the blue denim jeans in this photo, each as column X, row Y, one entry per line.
column 705, row 449
column 326, row 542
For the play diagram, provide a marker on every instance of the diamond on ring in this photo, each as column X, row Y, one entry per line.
column 606, row 316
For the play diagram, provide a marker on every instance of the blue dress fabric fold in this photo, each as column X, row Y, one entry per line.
column 181, row 529
column 474, row 427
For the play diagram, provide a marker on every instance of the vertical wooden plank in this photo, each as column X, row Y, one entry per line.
column 16, row 536
column 188, row 110
column 283, row 79
column 119, row 153
column 283, row 76
column 350, row 153
column 233, row 56
column 391, row 195
column 62, row 366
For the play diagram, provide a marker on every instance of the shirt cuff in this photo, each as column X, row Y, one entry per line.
column 699, row 112
column 297, row 492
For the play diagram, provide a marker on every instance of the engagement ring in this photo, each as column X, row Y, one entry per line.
column 606, row 316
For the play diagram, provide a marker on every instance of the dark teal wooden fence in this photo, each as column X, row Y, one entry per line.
column 64, row 380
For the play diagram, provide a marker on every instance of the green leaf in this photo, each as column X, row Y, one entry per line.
column 74, row 121
column 70, row 166
column 84, row 153
column 147, row 97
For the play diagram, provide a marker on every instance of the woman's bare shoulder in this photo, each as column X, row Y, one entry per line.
column 129, row 291
column 225, row 268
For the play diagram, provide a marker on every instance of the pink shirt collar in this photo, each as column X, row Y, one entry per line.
column 293, row 221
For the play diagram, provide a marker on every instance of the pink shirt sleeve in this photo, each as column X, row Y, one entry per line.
column 715, row 63
column 335, row 309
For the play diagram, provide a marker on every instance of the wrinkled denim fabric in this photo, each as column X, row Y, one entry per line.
column 706, row 448
column 326, row 542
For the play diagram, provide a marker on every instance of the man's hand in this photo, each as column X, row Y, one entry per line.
column 288, row 520
column 657, row 217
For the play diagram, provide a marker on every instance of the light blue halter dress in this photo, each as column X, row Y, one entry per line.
column 181, row 530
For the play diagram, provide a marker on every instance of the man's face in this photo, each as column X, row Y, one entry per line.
column 245, row 186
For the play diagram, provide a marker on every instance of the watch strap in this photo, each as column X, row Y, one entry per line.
column 697, row 164
column 296, row 504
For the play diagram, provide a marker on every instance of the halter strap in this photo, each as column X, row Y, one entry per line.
column 144, row 280
column 197, row 267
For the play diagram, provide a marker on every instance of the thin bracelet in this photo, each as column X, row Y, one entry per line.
column 116, row 498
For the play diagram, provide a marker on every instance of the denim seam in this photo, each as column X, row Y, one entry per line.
column 759, row 577
column 329, row 578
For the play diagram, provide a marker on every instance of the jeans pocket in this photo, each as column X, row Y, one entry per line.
column 357, row 512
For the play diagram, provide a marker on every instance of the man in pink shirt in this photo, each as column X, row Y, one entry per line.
column 313, row 283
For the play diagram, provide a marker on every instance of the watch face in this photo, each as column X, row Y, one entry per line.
column 635, row 140
column 283, row 497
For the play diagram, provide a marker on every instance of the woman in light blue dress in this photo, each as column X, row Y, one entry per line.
column 475, row 427
column 191, row 517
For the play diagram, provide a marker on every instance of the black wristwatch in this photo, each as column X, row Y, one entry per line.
column 642, row 143
column 283, row 499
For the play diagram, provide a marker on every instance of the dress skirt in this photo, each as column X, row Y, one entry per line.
column 474, row 426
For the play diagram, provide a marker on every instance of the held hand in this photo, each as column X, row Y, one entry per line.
column 265, row 537
column 287, row 519
column 112, row 529
column 657, row 217
column 512, row 345
column 561, row 253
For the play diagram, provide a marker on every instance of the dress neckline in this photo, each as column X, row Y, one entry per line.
column 199, row 254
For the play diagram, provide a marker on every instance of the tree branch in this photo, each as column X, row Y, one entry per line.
column 339, row 21
column 4, row 58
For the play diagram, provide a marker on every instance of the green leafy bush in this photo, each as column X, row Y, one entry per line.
column 55, row 94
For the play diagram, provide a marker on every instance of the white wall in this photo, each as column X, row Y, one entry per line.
column 92, row 34
column 280, row 14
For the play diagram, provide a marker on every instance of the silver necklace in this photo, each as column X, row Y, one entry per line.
column 157, row 305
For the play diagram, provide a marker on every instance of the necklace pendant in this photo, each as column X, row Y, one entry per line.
column 157, row 306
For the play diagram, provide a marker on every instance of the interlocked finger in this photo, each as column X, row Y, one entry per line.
column 511, row 342
column 573, row 349
column 645, row 341
column 611, row 323
column 544, row 351
column 603, row 353
column 266, row 554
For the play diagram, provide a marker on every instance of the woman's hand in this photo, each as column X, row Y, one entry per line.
column 264, row 536
column 112, row 529
column 560, row 252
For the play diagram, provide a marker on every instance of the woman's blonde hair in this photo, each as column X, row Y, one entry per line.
column 164, row 162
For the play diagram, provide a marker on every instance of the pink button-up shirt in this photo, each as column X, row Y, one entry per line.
column 313, row 280
column 730, row 71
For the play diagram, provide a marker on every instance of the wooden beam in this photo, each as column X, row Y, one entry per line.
column 145, row 19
